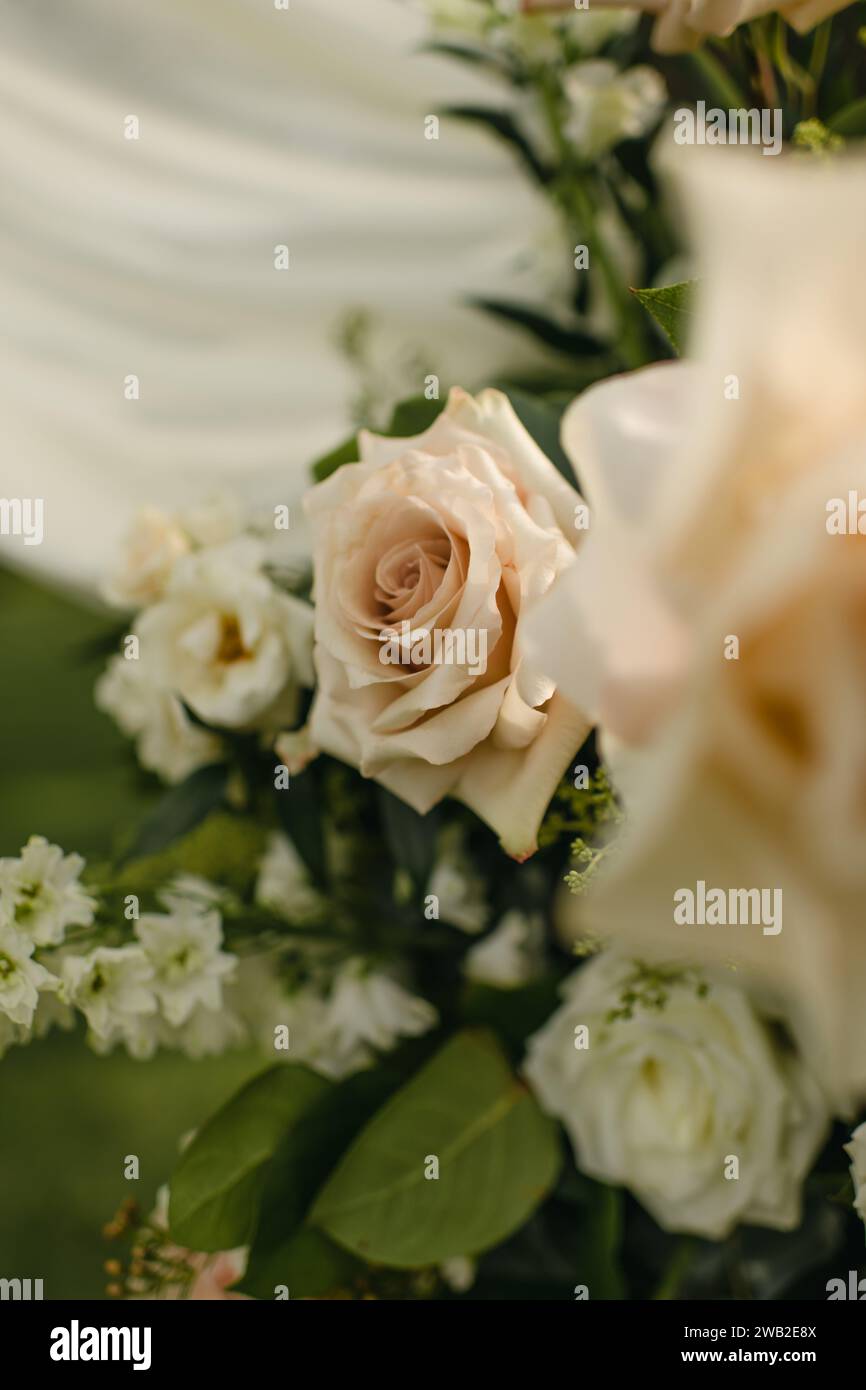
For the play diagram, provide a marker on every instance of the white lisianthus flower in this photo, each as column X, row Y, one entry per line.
column 856, row 1151
column 167, row 741
column 183, row 949
column 511, row 955
column 113, row 988
column 663, row 1099
column 226, row 640
column 21, row 979
column 607, row 106
column 455, row 883
column 368, row 1011
column 283, row 883
column 42, row 891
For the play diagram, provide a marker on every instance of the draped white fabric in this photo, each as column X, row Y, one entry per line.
column 155, row 257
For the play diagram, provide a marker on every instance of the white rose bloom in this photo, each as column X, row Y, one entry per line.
column 225, row 640
column 369, row 1010
column 662, row 1101
column 283, row 883
column 167, row 741
column 42, row 891
column 183, row 949
column 151, row 548
column 21, row 979
column 856, row 1151
column 113, row 988
column 511, row 955
column 461, row 891
column 606, row 105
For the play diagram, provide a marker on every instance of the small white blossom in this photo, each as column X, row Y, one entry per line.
column 369, row 1010
column 511, row 955
column 283, row 884
column 607, row 105
column 458, row 887
column 183, row 950
column 459, row 1272
column 167, row 741
column 21, row 978
column 112, row 986
column 42, row 892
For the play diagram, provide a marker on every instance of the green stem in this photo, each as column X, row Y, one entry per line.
column 719, row 80
column 677, row 1267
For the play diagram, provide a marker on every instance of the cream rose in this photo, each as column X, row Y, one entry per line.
column 683, row 24
column 450, row 536
column 691, row 1104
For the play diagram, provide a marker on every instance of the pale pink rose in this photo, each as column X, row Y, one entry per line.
column 455, row 533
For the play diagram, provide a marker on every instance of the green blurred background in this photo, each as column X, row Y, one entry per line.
column 68, row 1117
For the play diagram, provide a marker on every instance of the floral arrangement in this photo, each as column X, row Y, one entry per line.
column 521, row 829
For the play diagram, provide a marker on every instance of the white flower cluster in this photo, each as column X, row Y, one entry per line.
column 165, row 989
column 214, row 643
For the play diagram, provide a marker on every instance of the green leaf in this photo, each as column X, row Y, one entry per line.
column 410, row 837
column 217, row 1185
column 503, row 124
column 282, row 1248
column 574, row 341
column 346, row 452
column 851, row 120
column 497, row 1154
column 671, row 307
column 413, row 416
column 308, row 1263
column 180, row 810
column 299, row 811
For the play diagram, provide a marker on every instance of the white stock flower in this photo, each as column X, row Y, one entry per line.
column 368, row 1012
column 511, row 955
column 226, row 640
column 183, row 949
column 455, row 532
column 456, row 884
column 662, row 1100
column 709, row 515
column 607, row 106
column 42, row 891
column 21, row 979
column 283, row 882
column 167, row 741
column 112, row 986
column 856, row 1151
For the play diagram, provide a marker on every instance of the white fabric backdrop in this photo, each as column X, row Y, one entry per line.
column 155, row 256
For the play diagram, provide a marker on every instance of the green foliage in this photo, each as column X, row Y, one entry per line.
column 851, row 120
column 218, row 1183
column 671, row 307
column 181, row 809
column 497, row 1154
column 581, row 811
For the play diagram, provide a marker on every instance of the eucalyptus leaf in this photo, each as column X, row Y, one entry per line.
column 497, row 1156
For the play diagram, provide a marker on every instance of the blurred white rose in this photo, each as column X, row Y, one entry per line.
column 511, row 955
column 709, row 484
column 283, row 882
column 660, row 1099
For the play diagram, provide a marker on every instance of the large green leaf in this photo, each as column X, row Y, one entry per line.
column 851, row 120
column 217, row 1185
column 308, row 1263
column 671, row 307
column 347, row 452
column 497, row 1154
